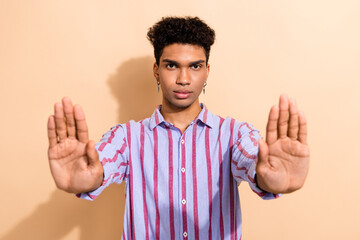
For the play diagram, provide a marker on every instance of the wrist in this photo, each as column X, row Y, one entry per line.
column 100, row 179
column 261, row 184
column 257, row 183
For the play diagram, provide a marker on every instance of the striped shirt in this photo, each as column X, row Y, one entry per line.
column 181, row 185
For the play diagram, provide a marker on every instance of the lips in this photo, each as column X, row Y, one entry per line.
column 182, row 94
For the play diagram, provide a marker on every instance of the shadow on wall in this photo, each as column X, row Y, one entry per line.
column 63, row 212
column 135, row 90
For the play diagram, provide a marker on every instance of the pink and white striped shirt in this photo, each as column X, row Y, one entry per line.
column 181, row 186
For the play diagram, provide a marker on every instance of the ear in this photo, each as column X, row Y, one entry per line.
column 208, row 69
column 156, row 70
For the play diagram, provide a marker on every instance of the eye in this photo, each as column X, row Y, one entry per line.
column 170, row 66
column 196, row 66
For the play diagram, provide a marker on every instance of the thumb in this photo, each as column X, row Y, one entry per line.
column 263, row 155
column 91, row 152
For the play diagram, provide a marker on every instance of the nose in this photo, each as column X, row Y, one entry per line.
column 184, row 77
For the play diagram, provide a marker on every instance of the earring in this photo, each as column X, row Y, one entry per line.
column 158, row 84
column 204, row 87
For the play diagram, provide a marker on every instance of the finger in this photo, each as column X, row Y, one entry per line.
column 283, row 116
column 51, row 131
column 69, row 115
column 263, row 153
column 271, row 128
column 60, row 122
column 81, row 126
column 294, row 120
column 262, row 165
column 302, row 128
column 93, row 155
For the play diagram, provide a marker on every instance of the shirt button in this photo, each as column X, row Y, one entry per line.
column 182, row 141
column 183, row 201
column 182, row 170
column 167, row 124
column 185, row 234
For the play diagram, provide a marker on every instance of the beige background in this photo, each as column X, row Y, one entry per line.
column 96, row 53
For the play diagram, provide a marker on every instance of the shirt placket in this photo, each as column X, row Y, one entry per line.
column 183, row 148
column 181, row 190
column 182, row 180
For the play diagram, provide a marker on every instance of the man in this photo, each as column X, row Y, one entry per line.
column 183, row 164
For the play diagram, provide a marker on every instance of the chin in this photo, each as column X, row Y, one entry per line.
column 184, row 103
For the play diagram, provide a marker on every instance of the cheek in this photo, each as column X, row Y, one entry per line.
column 166, row 77
column 202, row 74
column 166, row 84
column 200, row 79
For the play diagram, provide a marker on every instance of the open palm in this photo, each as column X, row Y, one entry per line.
column 73, row 160
column 283, row 160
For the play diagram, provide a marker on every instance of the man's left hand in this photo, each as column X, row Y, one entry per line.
column 283, row 159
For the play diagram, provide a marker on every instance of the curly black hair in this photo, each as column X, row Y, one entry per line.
column 185, row 30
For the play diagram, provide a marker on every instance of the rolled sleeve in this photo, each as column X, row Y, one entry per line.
column 244, row 158
column 113, row 155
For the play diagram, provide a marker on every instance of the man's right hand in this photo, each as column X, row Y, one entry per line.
column 73, row 159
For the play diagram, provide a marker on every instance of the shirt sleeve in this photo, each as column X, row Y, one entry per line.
column 113, row 153
column 244, row 158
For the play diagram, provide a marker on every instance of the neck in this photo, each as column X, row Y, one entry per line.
column 180, row 117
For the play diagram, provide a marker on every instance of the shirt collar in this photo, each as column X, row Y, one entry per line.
column 204, row 117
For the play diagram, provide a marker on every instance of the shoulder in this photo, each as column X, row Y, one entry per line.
column 132, row 127
column 221, row 123
column 237, row 130
column 235, row 125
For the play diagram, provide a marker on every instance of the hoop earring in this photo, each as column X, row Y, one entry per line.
column 204, row 87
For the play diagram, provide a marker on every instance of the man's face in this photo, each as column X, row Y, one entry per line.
column 182, row 72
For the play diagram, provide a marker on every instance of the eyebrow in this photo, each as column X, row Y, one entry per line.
column 177, row 64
